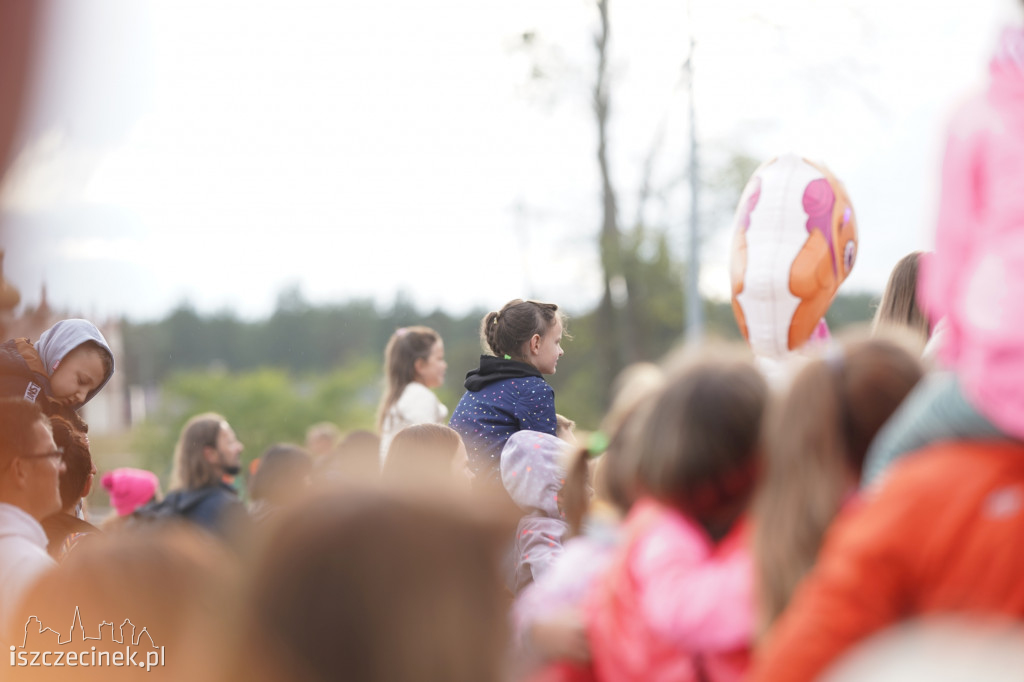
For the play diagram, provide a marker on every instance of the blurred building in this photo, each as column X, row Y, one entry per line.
column 110, row 410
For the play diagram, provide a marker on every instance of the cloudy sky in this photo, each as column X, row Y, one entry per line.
column 218, row 151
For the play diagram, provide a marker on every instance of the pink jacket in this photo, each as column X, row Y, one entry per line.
column 976, row 278
column 673, row 605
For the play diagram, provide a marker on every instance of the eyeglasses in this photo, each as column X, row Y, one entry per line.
column 58, row 453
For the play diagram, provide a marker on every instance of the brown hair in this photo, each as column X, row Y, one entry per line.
column 898, row 307
column 17, row 419
column 611, row 476
column 615, row 471
column 615, row 478
column 421, row 449
column 574, row 496
column 105, row 357
column 405, row 347
column 356, row 455
column 506, row 331
column 282, row 473
column 816, row 441
column 334, row 588
column 191, row 468
column 609, row 479
column 77, row 461
column 697, row 447
column 634, row 384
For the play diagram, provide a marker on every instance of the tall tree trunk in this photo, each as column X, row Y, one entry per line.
column 615, row 333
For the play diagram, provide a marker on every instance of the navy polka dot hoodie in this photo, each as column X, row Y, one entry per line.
column 502, row 397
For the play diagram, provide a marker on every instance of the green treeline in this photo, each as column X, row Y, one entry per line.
column 305, row 363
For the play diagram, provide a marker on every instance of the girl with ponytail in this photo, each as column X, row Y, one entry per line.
column 507, row 392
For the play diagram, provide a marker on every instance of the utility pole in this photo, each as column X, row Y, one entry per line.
column 694, row 309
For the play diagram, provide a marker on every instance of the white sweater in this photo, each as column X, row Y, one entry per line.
column 416, row 405
column 23, row 559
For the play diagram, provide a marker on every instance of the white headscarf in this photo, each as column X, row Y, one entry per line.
column 63, row 337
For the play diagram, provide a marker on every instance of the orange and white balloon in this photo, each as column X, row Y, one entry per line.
column 794, row 243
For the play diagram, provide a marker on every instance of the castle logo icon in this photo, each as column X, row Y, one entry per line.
column 136, row 645
column 115, row 636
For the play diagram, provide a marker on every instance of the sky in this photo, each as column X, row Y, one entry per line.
column 220, row 151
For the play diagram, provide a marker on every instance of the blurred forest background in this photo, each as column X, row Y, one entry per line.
column 275, row 377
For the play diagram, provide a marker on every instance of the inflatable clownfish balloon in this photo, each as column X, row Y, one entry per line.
column 794, row 242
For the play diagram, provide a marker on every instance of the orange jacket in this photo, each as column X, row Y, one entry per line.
column 944, row 533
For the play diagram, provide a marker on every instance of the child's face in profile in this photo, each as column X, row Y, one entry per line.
column 548, row 349
column 78, row 374
column 430, row 371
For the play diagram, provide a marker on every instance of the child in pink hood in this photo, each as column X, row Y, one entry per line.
column 974, row 282
column 677, row 602
column 533, row 472
column 549, row 631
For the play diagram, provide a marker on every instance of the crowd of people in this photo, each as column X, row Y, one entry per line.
column 798, row 508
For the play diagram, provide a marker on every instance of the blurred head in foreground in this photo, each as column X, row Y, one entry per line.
column 936, row 649
column 155, row 590
column 368, row 586
column 282, row 478
column 356, row 456
column 816, row 439
column 427, row 453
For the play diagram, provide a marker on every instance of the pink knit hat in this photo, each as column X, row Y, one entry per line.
column 129, row 488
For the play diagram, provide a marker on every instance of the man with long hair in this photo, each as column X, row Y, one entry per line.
column 207, row 454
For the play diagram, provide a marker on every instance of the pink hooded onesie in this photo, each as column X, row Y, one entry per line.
column 976, row 278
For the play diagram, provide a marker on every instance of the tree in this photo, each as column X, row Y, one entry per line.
column 264, row 406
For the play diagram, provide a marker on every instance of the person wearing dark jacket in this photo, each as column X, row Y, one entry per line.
column 69, row 364
column 207, row 453
column 507, row 393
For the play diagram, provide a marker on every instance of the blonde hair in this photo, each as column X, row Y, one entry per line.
column 815, row 444
column 608, row 479
column 191, row 468
column 405, row 347
column 323, row 430
column 421, row 450
column 506, row 331
column 898, row 307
